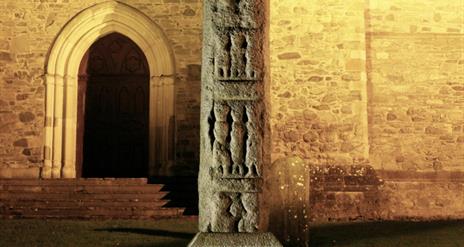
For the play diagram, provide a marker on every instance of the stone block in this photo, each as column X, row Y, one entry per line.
column 289, row 182
column 234, row 239
column 26, row 173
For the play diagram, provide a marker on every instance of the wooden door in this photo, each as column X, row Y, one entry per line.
column 115, row 110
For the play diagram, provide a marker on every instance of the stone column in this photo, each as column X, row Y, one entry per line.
column 233, row 121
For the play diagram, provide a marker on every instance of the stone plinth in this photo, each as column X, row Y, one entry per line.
column 234, row 239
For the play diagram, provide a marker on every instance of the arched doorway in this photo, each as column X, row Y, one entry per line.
column 61, row 80
column 113, row 114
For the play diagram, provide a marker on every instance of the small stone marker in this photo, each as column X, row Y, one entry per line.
column 289, row 206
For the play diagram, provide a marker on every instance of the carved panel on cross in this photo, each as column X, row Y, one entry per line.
column 235, row 212
column 235, row 134
column 234, row 58
column 237, row 13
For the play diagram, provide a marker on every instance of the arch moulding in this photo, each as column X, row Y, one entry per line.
column 62, row 78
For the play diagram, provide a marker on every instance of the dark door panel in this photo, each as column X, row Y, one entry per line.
column 115, row 139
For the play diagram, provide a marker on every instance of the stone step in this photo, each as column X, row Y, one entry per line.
column 81, row 181
column 99, row 208
column 92, row 217
column 183, row 192
column 70, row 213
column 85, row 199
column 5, row 195
column 82, row 200
column 136, row 189
column 69, row 203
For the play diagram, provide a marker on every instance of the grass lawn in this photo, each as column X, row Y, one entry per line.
column 64, row 233
column 389, row 234
column 164, row 233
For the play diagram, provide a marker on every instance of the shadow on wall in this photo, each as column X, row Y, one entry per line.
column 358, row 192
column 341, row 193
column 187, row 132
column 301, row 193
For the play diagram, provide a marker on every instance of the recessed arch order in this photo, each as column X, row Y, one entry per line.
column 62, row 77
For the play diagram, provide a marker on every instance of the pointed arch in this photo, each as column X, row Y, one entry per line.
column 61, row 81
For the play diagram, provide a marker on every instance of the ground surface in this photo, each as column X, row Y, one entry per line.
column 127, row 233
column 172, row 233
column 390, row 234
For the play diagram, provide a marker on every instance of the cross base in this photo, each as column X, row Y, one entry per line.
column 204, row 239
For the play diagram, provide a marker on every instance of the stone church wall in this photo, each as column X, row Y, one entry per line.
column 370, row 93
column 416, row 85
column 27, row 31
column 318, row 88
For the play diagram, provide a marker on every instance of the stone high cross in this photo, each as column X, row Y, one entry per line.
column 233, row 123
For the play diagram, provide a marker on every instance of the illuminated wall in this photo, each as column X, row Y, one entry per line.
column 318, row 89
column 416, row 85
column 403, row 109
column 371, row 94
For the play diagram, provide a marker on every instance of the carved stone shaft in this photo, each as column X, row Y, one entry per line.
column 232, row 120
column 232, row 125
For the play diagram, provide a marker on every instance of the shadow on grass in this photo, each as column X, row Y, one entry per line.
column 150, row 232
column 178, row 243
column 351, row 233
